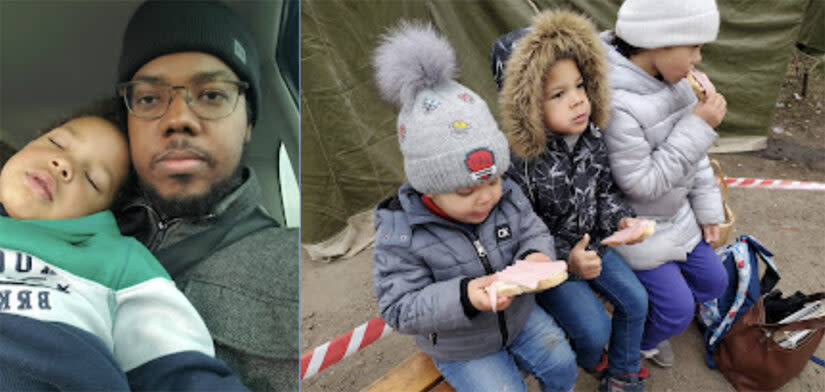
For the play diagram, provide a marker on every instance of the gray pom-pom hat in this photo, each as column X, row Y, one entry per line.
column 448, row 136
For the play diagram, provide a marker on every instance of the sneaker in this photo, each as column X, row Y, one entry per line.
column 662, row 355
column 600, row 370
column 625, row 383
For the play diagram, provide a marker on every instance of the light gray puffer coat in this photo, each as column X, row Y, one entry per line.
column 421, row 258
column 658, row 155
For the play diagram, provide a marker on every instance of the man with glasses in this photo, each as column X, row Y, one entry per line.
column 190, row 80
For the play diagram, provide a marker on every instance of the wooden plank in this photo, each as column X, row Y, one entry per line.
column 443, row 386
column 416, row 374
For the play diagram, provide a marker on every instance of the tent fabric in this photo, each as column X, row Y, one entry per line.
column 812, row 33
column 350, row 159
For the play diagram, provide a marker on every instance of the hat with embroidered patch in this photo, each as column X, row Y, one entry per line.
column 158, row 28
column 448, row 136
column 662, row 23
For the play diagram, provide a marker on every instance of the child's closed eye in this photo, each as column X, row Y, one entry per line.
column 91, row 182
column 60, row 146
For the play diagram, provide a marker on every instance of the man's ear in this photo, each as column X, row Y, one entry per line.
column 248, row 136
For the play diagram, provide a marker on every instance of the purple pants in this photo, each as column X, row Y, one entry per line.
column 674, row 289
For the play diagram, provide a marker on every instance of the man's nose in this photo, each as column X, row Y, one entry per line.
column 180, row 117
column 63, row 168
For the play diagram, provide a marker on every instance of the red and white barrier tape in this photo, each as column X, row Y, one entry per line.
column 774, row 184
column 343, row 346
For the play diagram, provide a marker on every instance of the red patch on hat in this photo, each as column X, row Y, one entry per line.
column 481, row 163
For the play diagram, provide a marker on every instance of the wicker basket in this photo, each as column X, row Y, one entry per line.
column 725, row 229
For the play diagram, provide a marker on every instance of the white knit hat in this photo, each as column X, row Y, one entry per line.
column 661, row 23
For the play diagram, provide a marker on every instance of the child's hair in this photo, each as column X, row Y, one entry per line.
column 624, row 48
column 110, row 109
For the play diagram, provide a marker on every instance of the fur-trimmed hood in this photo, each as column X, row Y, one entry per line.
column 554, row 35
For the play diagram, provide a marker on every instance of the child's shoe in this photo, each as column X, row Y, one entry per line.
column 601, row 368
column 625, row 383
column 662, row 355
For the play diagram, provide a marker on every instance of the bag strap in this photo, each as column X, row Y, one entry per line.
column 717, row 169
column 771, row 276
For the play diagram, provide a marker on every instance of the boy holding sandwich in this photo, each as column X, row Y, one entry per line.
column 457, row 221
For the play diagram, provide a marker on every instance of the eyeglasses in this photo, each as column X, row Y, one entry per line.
column 209, row 99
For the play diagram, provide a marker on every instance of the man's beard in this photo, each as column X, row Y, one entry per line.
column 191, row 206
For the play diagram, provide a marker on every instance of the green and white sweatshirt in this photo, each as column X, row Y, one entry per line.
column 76, row 289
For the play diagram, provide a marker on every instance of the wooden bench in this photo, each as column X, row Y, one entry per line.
column 417, row 373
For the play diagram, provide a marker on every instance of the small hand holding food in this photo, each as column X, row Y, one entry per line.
column 631, row 231
column 477, row 293
column 582, row 262
column 712, row 106
column 711, row 232
column 536, row 272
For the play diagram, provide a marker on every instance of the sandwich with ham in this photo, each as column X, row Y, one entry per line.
column 526, row 276
column 638, row 231
column 700, row 83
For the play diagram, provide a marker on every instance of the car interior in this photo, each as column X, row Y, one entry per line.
column 59, row 56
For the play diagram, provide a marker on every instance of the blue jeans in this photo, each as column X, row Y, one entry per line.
column 674, row 289
column 540, row 348
column 583, row 317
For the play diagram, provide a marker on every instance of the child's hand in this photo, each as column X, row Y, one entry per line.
column 537, row 256
column 582, row 262
column 713, row 110
column 479, row 297
column 627, row 222
column 711, row 232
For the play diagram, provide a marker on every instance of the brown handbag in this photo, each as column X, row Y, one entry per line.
column 751, row 360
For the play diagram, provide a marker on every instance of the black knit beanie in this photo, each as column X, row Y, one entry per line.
column 159, row 28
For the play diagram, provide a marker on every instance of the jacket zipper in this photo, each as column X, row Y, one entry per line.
column 482, row 256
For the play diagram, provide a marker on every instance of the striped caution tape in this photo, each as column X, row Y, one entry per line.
column 343, row 346
column 742, row 182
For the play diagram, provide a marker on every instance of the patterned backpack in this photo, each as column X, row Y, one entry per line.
column 741, row 261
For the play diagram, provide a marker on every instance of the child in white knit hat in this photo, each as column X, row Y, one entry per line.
column 657, row 140
column 455, row 223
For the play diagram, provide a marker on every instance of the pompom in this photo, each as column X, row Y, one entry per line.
column 412, row 57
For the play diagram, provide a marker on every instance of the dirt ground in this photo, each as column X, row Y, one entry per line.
column 337, row 297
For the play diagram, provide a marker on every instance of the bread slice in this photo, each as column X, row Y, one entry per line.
column 700, row 84
column 507, row 289
column 642, row 229
column 525, row 276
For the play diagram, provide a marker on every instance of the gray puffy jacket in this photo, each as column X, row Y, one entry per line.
column 658, row 155
column 421, row 258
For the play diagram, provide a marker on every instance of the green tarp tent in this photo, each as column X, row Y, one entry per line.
column 350, row 158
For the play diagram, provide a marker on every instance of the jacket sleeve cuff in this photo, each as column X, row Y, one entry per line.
column 469, row 310
column 526, row 253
